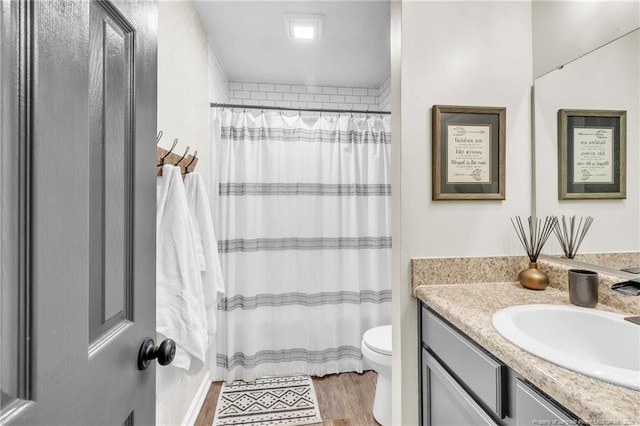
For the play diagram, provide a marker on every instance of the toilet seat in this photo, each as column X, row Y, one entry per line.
column 378, row 339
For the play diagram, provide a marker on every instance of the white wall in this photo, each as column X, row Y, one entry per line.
column 183, row 80
column 565, row 30
column 183, row 113
column 455, row 53
column 218, row 79
column 608, row 78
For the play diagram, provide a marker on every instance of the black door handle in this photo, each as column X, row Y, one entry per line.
column 149, row 351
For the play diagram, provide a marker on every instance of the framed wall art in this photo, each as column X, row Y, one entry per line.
column 468, row 145
column 592, row 154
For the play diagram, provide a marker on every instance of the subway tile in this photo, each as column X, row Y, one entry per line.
column 250, row 86
column 239, row 94
column 362, row 107
column 296, row 88
column 258, row 95
column 313, row 96
column 274, row 96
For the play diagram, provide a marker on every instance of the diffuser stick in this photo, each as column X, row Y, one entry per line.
column 587, row 225
column 570, row 235
column 537, row 235
column 520, row 232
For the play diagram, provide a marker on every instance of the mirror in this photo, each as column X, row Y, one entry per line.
column 607, row 78
column 566, row 30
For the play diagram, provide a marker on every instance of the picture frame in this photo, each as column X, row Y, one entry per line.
column 468, row 153
column 592, row 154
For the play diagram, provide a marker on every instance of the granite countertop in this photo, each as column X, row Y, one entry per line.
column 470, row 307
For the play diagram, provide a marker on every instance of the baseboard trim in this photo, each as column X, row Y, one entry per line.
column 198, row 401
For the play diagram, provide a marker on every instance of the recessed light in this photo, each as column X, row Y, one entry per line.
column 306, row 32
column 303, row 27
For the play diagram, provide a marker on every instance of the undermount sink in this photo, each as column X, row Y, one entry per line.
column 595, row 343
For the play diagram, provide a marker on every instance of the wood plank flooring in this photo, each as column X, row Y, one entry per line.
column 344, row 399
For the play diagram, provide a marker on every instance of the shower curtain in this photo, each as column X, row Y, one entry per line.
column 303, row 218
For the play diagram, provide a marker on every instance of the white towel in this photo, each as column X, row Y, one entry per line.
column 212, row 280
column 181, row 313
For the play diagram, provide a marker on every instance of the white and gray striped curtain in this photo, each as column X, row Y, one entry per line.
column 304, row 227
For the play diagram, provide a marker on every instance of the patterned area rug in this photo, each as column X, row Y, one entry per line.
column 270, row 401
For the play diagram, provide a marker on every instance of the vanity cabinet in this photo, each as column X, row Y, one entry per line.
column 463, row 384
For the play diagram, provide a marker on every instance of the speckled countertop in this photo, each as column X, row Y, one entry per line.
column 470, row 307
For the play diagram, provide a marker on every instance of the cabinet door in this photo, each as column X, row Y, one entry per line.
column 445, row 402
column 481, row 374
column 532, row 408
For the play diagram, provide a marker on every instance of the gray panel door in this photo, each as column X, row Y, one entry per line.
column 78, row 211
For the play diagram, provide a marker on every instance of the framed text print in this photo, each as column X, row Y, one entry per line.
column 592, row 154
column 468, row 153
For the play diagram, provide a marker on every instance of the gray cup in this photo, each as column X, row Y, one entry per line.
column 583, row 287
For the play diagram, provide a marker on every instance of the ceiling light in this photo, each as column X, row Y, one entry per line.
column 307, row 32
column 303, row 27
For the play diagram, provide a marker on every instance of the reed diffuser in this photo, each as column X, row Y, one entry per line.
column 533, row 239
column 570, row 236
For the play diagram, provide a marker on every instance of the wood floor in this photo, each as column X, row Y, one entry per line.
column 345, row 400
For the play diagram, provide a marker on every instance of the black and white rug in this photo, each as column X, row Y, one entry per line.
column 269, row 401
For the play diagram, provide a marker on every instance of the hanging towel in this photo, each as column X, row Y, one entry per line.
column 181, row 313
column 212, row 280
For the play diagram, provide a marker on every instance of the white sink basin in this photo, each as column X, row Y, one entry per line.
column 595, row 343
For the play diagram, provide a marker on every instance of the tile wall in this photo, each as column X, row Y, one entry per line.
column 301, row 96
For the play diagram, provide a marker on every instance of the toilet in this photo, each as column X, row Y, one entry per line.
column 376, row 350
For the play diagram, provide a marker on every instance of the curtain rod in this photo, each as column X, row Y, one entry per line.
column 339, row 111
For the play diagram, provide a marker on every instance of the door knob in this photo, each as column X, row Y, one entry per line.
column 149, row 351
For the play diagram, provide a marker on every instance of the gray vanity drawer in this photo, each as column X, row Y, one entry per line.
column 446, row 403
column 531, row 406
column 481, row 374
